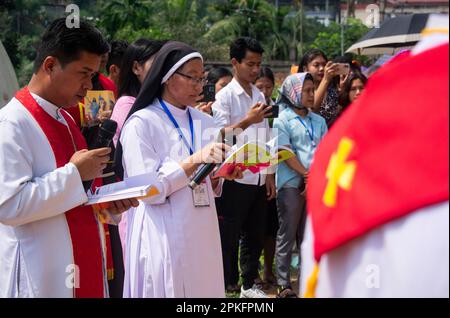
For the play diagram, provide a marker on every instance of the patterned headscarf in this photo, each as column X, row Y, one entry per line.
column 291, row 90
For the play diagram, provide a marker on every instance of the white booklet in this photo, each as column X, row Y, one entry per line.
column 138, row 187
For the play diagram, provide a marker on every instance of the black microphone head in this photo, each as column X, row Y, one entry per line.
column 105, row 134
column 108, row 129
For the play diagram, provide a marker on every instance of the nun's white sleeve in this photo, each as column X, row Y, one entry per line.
column 140, row 156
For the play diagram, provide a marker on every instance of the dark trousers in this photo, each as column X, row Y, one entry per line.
column 242, row 212
column 292, row 220
column 116, row 284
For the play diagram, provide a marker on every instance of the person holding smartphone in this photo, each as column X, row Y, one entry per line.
column 217, row 78
column 242, row 208
column 324, row 73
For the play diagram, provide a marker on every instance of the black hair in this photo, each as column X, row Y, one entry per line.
column 308, row 57
column 266, row 72
column 118, row 49
column 208, row 68
column 240, row 46
column 140, row 51
column 66, row 44
column 344, row 96
column 216, row 73
column 308, row 77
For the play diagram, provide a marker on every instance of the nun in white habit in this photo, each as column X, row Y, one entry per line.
column 173, row 239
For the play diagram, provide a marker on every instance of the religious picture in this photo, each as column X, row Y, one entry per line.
column 98, row 104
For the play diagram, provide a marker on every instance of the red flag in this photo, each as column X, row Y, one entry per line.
column 387, row 156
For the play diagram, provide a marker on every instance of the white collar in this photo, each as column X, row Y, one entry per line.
column 49, row 108
column 238, row 89
column 176, row 111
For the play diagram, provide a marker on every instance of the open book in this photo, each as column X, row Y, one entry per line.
column 138, row 187
column 255, row 157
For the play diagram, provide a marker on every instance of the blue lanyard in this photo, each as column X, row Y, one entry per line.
column 174, row 122
column 310, row 133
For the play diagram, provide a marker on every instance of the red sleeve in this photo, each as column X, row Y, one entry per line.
column 107, row 84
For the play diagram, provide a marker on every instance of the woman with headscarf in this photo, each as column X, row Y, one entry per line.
column 301, row 130
column 173, row 245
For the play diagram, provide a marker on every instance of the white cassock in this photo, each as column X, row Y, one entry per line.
column 173, row 247
column 36, row 254
column 408, row 257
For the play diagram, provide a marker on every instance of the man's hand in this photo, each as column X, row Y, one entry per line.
column 258, row 112
column 120, row 206
column 270, row 187
column 90, row 163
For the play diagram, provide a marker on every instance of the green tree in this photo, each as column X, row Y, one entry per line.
column 329, row 40
column 119, row 14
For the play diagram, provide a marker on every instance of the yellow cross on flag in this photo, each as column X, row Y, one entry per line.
column 339, row 173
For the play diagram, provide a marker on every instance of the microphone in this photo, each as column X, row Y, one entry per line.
column 106, row 132
column 204, row 171
column 207, row 168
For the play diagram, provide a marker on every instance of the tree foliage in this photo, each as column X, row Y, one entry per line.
column 209, row 26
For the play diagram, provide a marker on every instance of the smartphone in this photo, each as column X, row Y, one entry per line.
column 343, row 68
column 275, row 111
column 209, row 93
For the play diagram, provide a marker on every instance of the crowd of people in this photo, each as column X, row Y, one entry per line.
column 181, row 242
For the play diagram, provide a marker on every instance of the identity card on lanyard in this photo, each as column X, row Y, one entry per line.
column 200, row 194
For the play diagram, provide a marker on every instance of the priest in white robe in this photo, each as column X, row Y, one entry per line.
column 173, row 241
column 51, row 245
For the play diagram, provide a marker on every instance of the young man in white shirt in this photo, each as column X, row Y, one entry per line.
column 242, row 208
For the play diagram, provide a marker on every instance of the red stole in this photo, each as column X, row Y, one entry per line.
column 83, row 226
column 388, row 154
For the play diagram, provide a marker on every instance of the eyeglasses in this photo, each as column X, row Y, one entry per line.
column 194, row 80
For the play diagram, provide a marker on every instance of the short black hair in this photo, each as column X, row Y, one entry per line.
column 140, row 51
column 308, row 57
column 66, row 44
column 118, row 49
column 216, row 73
column 266, row 72
column 240, row 46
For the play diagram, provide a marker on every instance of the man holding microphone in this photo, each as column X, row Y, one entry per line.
column 50, row 244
